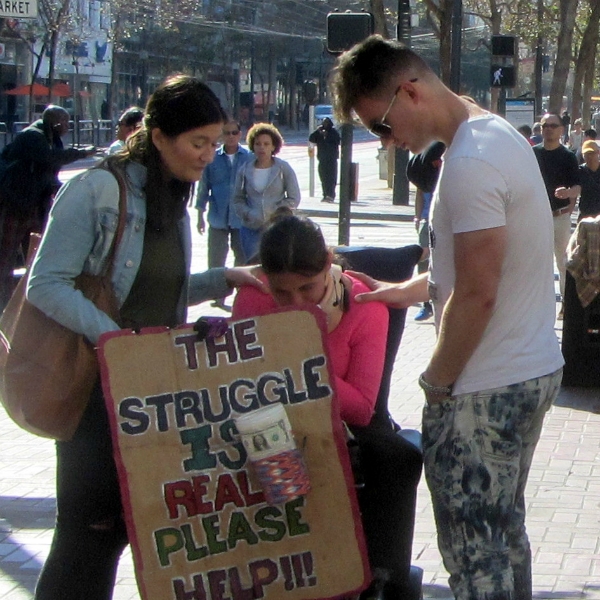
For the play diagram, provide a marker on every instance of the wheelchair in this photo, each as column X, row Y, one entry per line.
column 391, row 458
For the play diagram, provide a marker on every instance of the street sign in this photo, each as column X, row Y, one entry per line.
column 520, row 111
column 18, row 9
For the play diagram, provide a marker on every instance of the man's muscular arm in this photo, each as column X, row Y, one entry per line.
column 478, row 258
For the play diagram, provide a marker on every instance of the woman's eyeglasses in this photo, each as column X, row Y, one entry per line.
column 381, row 128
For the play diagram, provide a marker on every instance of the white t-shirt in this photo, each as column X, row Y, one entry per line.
column 575, row 140
column 261, row 178
column 490, row 178
column 116, row 146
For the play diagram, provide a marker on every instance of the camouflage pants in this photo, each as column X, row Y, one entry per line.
column 478, row 449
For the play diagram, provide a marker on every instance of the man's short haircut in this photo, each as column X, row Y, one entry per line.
column 132, row 117
column 54, row 114
column 368, row 69
column 552, row 114
column 590, row 133
column 525, row 130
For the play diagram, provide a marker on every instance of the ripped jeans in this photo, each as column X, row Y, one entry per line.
column 478, row 449
column 90, row 534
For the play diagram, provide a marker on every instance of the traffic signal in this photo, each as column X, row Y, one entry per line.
column 504, row 45
column 310, row 91
column 346, row 29
column 503, row 70
column 503, row 76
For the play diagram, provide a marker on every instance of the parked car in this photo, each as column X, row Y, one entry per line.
column 322, row 111
column 326, row 110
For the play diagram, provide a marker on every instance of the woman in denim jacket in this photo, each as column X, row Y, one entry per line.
column 153, row 287
column 263, row 185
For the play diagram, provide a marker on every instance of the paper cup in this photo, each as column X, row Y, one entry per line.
column 279, row 466
column 266, row 431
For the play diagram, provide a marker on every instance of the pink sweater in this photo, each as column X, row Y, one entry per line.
column 356, row 348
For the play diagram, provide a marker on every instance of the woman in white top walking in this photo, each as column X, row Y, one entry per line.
column 263, row 185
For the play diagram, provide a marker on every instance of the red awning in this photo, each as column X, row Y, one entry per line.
column 37, row 89
column 62, row 90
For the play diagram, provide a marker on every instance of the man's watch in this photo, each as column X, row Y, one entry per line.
column 439, row 390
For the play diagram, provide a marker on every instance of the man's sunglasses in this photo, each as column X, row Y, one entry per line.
column 551, row 126
column 381, row 128
column 231, row 132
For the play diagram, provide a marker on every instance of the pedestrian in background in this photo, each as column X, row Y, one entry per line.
column 423, row 171
column 129, row 122
column 536, row 133
column 216, row 190
column 496, row 366
column 588, row 134
column 29, row 168
column 327, row 140
column 526, row 132
column 576, row 136
column 264, row 183
column 589, row 180
column 566, row 122
column 560, row 173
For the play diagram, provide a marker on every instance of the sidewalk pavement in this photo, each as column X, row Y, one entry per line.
column 563, row 496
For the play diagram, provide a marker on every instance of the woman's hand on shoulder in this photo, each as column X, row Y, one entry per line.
column 240, row 276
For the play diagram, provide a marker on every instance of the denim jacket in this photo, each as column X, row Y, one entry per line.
column 254, row 207
column 217, row 186
column 77, row 239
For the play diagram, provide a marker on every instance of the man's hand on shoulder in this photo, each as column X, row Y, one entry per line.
column 391, row 294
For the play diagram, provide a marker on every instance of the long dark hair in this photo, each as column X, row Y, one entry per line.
column 292, row 244
column 179, row 104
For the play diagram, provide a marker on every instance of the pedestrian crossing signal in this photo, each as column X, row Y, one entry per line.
column 504, row 45
column 344, row 30
column 503, row 76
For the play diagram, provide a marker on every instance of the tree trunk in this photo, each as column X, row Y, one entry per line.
column 378, row 12
column 272, row 105
column 293, row 96
column 584, row 67
column 588, row 87
column 568, row 11
column 439, row 15
column 445, row 40
column 111, row 96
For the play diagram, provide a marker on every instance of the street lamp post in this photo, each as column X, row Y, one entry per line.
column 539, row 57
column 236, row 89
column 400, row 191
column 455, row 52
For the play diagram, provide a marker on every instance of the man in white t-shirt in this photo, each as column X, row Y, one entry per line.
column 496, row 366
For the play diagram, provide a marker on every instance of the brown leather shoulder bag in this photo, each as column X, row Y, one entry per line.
column 47, row 371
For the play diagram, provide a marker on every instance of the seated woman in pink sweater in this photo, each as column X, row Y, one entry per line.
column 299, row 269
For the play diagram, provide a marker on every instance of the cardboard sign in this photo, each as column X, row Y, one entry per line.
column 198, row 522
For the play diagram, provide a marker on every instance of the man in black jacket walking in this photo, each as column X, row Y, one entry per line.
column 327, row 140
column 29, row 168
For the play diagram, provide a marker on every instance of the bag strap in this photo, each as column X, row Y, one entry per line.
column 110, row 258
